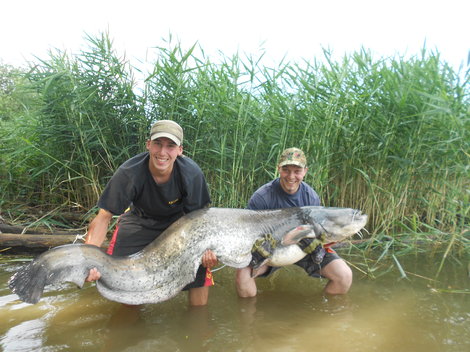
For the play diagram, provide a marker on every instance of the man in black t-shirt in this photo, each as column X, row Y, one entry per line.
column 157, row 187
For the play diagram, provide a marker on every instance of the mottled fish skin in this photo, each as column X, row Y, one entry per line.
column 165, row 266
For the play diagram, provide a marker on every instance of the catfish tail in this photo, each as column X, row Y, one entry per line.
column 68, row 263
column 29, row 282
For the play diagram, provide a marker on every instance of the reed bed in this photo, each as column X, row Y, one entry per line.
column 388, row 135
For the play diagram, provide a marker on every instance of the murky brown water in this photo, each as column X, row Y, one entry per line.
column 383, row 314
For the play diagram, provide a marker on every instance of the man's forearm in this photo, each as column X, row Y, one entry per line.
column 98, row 228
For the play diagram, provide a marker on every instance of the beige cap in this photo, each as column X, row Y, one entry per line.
column 292, row 156
column 169, row 129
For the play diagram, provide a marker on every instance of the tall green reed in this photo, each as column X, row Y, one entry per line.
column 87, row 120
column 388, row 135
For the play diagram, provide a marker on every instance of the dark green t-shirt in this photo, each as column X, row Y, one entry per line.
column 272, row 196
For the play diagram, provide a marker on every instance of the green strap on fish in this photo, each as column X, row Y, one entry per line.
column 265, row 245
column 308, row 245
column 262, row 249
column 314, row 248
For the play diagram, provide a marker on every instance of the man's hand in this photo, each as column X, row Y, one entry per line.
column 96, row 234
column 93, row 275
column 209, row 259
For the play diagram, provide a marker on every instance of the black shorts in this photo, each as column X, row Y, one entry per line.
column 133, row 234
column 312, row 268
column 203, row 278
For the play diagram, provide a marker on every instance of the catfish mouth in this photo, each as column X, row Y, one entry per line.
column 338, row 228
column 356, row 224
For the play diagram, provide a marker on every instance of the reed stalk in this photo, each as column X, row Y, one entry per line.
column 387, row 135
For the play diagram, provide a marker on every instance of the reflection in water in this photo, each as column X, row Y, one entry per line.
column 26, row 336
column 274, row 320
column 289, row 314
column 124, row 328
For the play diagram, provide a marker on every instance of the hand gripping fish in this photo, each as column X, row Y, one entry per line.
column 162, row 269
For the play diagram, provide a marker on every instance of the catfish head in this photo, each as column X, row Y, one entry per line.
column 335, row 224
column 327, row 224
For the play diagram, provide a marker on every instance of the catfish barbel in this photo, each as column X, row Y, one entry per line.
column 162, row 269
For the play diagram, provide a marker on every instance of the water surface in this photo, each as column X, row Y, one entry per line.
column 386, row 313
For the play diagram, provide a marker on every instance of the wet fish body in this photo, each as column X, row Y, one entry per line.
column 166, row 265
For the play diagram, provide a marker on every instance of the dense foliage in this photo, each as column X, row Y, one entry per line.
column 389, row 136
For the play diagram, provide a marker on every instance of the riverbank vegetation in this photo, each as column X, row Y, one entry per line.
column 389, row 136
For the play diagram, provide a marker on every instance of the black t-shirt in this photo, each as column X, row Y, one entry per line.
column 133, row 185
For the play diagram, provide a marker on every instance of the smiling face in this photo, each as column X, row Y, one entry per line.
column 163, row 153
column 291, row 177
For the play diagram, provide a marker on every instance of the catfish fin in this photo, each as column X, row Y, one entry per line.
column 296, row 234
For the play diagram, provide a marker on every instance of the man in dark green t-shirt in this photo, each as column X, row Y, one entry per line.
column 157, row 187
column 289, row 190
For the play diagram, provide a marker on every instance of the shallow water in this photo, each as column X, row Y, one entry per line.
column 388, row 313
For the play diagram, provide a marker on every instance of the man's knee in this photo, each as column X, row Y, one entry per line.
column 340, row 276
column 345, row 279
column 246, row 285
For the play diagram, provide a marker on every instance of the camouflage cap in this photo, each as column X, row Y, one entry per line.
column 292, row 156
column 169, row 129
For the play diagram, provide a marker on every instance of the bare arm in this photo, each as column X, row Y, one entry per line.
column 98, row 228
column 96, row 236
